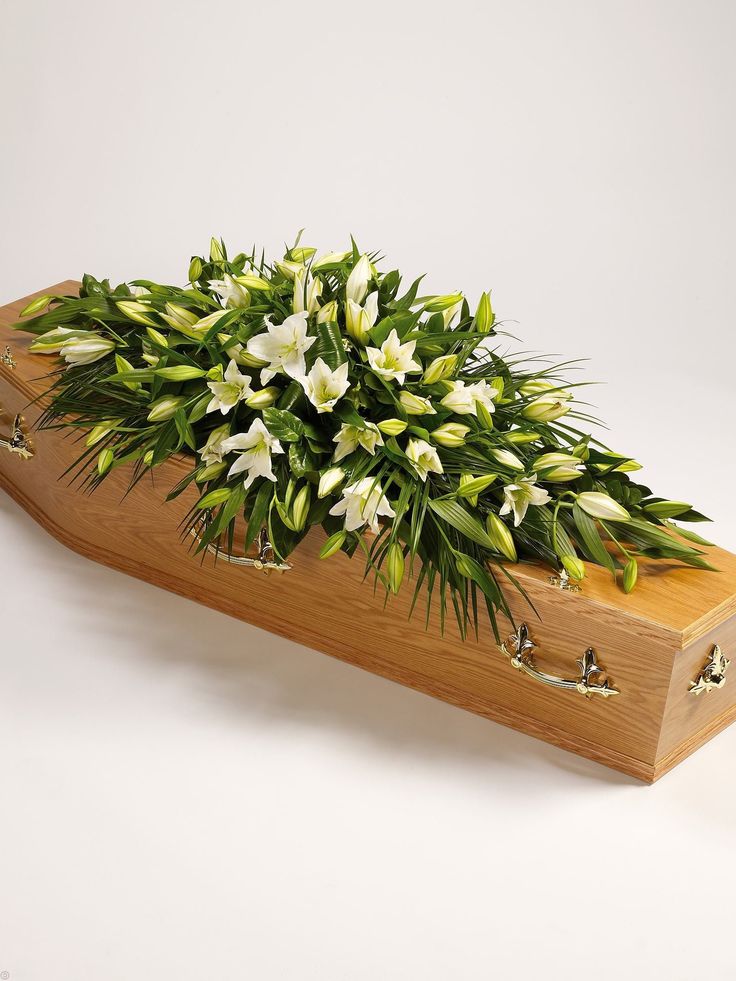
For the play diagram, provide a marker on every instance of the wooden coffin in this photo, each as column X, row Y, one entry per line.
column 660, row 654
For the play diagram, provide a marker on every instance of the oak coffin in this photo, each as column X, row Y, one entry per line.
column 655, row 651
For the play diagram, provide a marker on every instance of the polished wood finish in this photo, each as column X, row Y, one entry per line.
column 652, row 643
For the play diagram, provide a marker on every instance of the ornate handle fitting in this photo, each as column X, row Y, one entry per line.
column 519, row 648
column 7, row 358
column 713, row 674
column 264, row 560
column 17, row 441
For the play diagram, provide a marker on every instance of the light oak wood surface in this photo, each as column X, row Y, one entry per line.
column 652, row 643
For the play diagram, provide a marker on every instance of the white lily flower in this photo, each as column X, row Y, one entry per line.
column 85, row 350
column 227, row 393
column 357, row 284
column 234, row 295
column 394, row 359
column 363, row 503
column 282, row 347
column 254, row 448
column 323, row 386
column 212, row 451
column 351, row 437
column 518, row 496
column 423, row 457
column 463, row 398
column 307, row 292
column 416, row 405
column 54, row 340
column 359, row 319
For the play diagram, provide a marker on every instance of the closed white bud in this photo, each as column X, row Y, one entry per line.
column 263, row 398
column 357, row 284
column 288, row 268
column 599, row 505
column 451, row 434
column 508, row 459
column 440, row 368
column 557, row 467
column 330, row 480
column 416, row 405
column 545, row 409
column 136, row 311
column 165, row 408
column 328, row 313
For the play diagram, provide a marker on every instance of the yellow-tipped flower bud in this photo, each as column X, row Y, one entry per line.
column 101, row 430
column 302, row 253
column 251, row 281
column 157, row 337
column 264, row 398
column 395, row 566
column 166, row 408
column 330, row 480
column 574, row 567
column 416, row 405
column 195, row 269
column 333, row 544
column 210, row 472
column 440, row 368
column 104, row 461
column 501, row 537
column 392, row 427
column 484, row 316
column 631, row 572
column 450, row 434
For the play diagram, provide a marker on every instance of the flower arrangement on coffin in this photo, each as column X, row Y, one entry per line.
column 313, row 391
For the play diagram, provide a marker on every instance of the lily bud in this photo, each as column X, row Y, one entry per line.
column 35, row 306
column 599, row 505
column 195, row 269
column 483, row 415
column 252, row 282
column 300, row 507
column 105, row 461
column 416, row 405
column 545, row 409
column 451, row 434
column 148, row 458
column 165, row 408
column 217, row 253
column 264, row 398
column 508, row 459
column 136, row 311
column 519, row 437
column 470, row 486
column 177, row 316
column 101, row 430
column 157, row 337
column 395, row 566
column 288, row 268
column 557, row 467
column 122, row 364
column 333, row 544
column 357, row 284
column 484, row 316
column 631, row 572
column 440, row 368
column 329, row 481
column 581, row 450
column 392, row 427
column 180, row 373
column 626, row 466
column 573, row 566
column 54, row 340
column 357, row 322
column 331, row 259
column 667, row 509
column 328, row 313
column 210, row 472
column 302, row 253
column 437, row 304
column 501, row 537
column 85, row 350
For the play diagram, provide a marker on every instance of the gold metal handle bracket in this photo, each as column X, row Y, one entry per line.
column 17, row 442
column 7, row 358
column 519, row 648
column 264, row 560
column 713, row 674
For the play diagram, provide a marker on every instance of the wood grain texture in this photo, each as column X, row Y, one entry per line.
column 649, row 642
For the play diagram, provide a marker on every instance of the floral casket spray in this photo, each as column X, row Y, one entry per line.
column 316, row 416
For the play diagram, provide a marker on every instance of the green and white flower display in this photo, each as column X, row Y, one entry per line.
column 315, row 390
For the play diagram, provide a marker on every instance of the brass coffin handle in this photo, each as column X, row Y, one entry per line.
column 519, row 648
column 17, row 442
column 713, row 674
column 264, row 560
column 7, row 358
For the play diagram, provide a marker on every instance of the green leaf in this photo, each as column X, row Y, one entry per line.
column 259, row 512
column 455, row 514
column 283, row 424
column 329, row 346
column 592, row 539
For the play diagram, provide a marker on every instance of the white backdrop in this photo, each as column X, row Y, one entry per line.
column 183, row 796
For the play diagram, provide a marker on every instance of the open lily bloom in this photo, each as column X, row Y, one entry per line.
column 393, row 360
column 325, row 387
column 283, row 347
column 226, row 394
column 254, row 448
column 362, row 504
column 518, row 496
